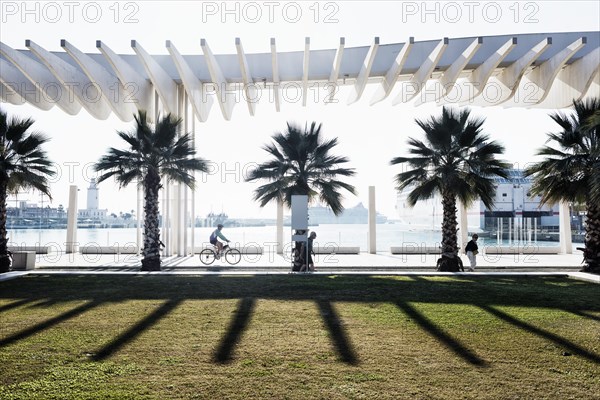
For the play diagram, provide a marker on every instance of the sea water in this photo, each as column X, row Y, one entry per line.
column 355, row 235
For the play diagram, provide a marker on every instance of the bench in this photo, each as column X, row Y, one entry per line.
column 35, row 249
column 415, row 249
column 522, row 250
column 131, row 249
column 23, row 260
column 333, row 249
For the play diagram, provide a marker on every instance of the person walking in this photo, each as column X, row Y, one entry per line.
column 471, row 249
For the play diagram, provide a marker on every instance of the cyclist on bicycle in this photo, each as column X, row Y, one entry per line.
column 213, row 239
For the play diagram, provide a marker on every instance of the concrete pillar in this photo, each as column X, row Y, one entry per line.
column 372, row 221
column 564, row 216
column 463, row 226
column 279, row 227
column 71, row 243
column 193, row 216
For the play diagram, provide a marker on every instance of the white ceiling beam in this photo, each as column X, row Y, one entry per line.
column 48, row 89
column 275, row 68
column 365, row 72
column 110, row 86
column 221, row 86
column 79, row 87
column 573, row 81
column 544, row 75
column 443, row 85
column 139, row 90
column 391, row 77
column 17, row 89
column 164, row 85
column 250, row 91
column 199, row 98
column 305, row 70
column 332, row 85
column 475, row 83
column 417, row 82
column 507, row 82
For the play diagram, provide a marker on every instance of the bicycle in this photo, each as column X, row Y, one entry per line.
column 209, row 255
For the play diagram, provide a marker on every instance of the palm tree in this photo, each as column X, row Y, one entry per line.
column 572, row 172
column 152, row 154
column 23, row 165
column 457, row 161
column 302, row 165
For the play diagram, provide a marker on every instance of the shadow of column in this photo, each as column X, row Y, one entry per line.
column 337, row 332
column 14, row 304
column 136, row 330
column 49, row 323
column 451, row 343
column 545, row 334
column 236, row 328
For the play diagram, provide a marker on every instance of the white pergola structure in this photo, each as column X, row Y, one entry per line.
column 547, row 70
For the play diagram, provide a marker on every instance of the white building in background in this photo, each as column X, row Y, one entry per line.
column 93, row 202
column 513, row 200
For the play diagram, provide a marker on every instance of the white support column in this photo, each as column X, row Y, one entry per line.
column 275, row 68
column 186, row 118
column 564, row 215
column 193, row 236
column 279, row 227
column 372, row 221
column 306, row 64
column 463, row 231
column 71, row 243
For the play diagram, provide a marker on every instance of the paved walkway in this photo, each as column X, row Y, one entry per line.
column 331, row 263
column 270, row 263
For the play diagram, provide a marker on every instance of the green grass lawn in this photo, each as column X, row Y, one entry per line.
column 298, row 337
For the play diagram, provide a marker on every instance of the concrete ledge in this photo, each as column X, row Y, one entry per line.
column 337, row 250
column 415, row 250
column 108, row 249
column 521, row 250
column 35, row 249
column 23, row 260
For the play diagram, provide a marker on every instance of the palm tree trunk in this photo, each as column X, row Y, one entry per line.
column 591, row 253
column 449, row 261
column 449, row 223
column 4, row 261
column 151, row 261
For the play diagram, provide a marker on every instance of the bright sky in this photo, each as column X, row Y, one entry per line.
column 369, row 136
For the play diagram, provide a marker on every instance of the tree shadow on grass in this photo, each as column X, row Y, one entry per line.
column 453, row 344
column 585, row 314
column 136, row 329
column 236, row 328
column 542, row 333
